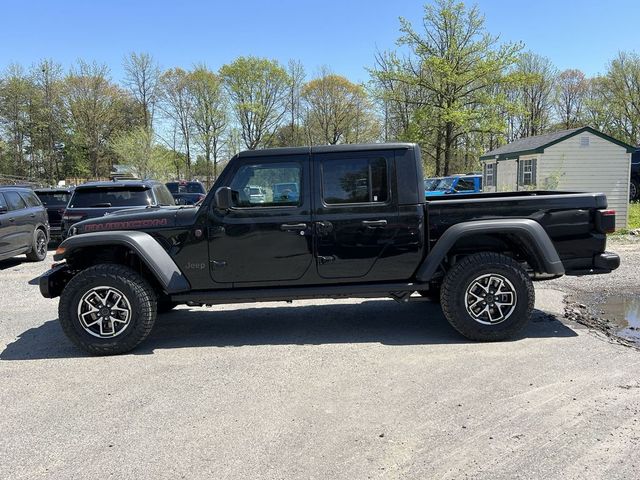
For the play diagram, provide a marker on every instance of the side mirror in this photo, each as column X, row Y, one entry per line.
column 3, row 209
column 223, row 198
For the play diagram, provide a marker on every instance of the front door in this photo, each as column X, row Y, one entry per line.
column 266, row 235
column 355, row 215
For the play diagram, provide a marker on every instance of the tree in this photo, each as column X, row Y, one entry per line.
column 296, row 73
column 258, row 90
column 570, row 95
column 455, row 63
column 621, row 95
column 135, row 148
column 15, row 95
column 534, row 81
column 209, row 115
column 98, row 110
column 336, row 110
column 177, row 104
column 142, row 78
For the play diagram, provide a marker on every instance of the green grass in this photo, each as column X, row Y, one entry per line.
column 634, row 215
column 634, row 219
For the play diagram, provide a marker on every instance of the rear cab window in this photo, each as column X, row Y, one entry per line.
column 106, row 197
column 357, row 180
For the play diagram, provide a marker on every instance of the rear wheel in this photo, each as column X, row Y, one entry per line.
column 487, row 297
column 107, row 309
column 39, row 251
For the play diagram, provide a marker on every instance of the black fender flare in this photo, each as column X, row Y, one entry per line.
column 144, row 245
column 530, row 232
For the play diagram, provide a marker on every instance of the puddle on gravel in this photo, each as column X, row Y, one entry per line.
column 624, row 314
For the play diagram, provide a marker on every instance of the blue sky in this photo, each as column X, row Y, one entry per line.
column 341, row 34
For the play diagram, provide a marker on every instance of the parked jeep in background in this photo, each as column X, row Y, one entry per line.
column 24, row 227
column 463, row 184
column 55, row 200
column 98, row 199
column 339, row 236
column 634, row 181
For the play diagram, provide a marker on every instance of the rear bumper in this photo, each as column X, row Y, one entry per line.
column 53, row 281
column 604, row 262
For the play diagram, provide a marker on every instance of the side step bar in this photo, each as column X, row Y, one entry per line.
column 269, row 294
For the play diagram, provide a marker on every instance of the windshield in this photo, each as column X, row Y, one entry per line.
column 186, row 187
column 445, row 183
column 431, row 184
column 54, row 199
column 111, row 197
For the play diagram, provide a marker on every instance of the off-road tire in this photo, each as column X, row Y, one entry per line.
column 460, row 277
column 138, row 292
column 39, row 250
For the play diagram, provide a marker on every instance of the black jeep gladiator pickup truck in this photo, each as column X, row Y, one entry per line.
column 352, row 222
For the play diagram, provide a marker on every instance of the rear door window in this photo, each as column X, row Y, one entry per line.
column 31, row 199
column 358, row 180
column 15, row 201
column 111, row 197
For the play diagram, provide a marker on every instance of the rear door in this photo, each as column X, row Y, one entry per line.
column 263, row 239
column 355, row 214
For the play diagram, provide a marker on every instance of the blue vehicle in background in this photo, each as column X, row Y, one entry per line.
column 456, row 184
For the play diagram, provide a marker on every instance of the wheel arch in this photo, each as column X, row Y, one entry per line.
column 125, row 247
column 526, row 237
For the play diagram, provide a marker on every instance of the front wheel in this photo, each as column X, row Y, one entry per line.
column 487, row 297
column 107, row 309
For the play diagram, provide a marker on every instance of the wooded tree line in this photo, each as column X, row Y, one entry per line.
column 450, row 85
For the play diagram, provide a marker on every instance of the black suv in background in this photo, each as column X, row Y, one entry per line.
column 634, row 181
column 55, row 200
column 97, row 199
column 24, row 227
column 187, row 193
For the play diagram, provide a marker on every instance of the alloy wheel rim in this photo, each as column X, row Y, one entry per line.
column 490, row 299
column 41, row 244
column 104, row 312
column 632, row 191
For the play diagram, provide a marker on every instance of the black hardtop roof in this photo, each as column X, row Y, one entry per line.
column 118, row 184
column 537, row 143
column 363, row 147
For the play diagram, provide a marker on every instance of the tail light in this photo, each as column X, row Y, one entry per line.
column 605, row 221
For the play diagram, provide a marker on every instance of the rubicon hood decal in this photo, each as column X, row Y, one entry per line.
column 126, row 225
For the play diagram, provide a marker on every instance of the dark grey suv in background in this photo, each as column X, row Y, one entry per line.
column 24, row 227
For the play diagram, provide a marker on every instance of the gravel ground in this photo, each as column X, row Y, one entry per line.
column 318, row 389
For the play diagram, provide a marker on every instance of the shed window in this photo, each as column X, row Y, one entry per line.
column 489, row 175
column 527, row 172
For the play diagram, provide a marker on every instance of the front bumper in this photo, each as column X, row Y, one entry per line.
column 53, row 281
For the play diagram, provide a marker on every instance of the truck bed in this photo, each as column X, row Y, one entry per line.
column 567, row 217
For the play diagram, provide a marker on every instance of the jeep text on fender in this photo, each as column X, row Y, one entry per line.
column 326, row 222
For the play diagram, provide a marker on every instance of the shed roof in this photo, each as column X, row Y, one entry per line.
column 537, row 143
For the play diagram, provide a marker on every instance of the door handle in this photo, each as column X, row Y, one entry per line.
column 33, row 215
column 374, row 223
column 293, row 227
column 12, row 219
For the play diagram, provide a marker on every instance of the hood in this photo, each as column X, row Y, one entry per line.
column 139, row 218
